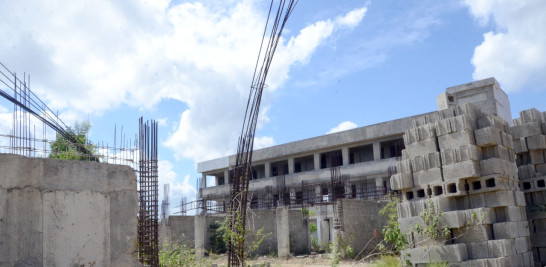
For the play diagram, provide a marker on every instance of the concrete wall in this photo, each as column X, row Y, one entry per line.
column 177, row 229
column 66, row 213
column 361, row 221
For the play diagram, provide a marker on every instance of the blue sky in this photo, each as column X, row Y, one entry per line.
column 189, row 64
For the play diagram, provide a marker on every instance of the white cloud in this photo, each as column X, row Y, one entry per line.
column 353, row 18
column 263, row 141
column 91, row 57
column 515, row 53
column 346, row 125
column 177, row 189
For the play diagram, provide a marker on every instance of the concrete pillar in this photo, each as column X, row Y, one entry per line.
column 324, row 231
column 348, row 189
column 290, row 165
column 226, row 176
column 379, row 181
column 283, row 232
column 317, row 161
column 376, row 150
column 292, row 196
column 199, row 228
column 345, row 156
column 318, row 193
column 203, row 180
column 267, row 167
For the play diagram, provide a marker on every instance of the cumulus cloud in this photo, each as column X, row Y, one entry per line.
column 91, row 57
column 263, row 141
column 178, row 189
column 353, row 18
column 515, row 53
column 346, row 125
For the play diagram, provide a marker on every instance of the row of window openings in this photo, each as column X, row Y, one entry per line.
column 360, row 154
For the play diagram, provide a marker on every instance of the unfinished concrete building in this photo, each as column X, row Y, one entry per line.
column 468, row 158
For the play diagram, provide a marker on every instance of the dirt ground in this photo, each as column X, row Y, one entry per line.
column 324, row 260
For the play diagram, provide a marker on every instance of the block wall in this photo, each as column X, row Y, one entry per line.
column 530, row 147
column 461, row 161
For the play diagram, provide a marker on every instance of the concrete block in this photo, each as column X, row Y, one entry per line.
column 460, row 170
column 454, row 219
column 477, row 250
column 403, row 210
column 537, row 156
column 536, row 142
column 486, row 215
column 443, row 203
column 404, row 165
column 520, row 145
column 540, row 168
column 497, row 166
column 475, row 233
column 499, row 199
column 419, row 133
column 421, row 148
column 522, row 244
column 501, row 248
column 454, row 124
column 526, row 171
column 493, row 121
column 459, row 154
column 476, row 200
column 488, row 136
column 523, row 228
column 496, row 152
column 530, row 115
column 430, row 176
column 446, row 253
column 457, row 139
column 506, row 230
column 401, row 181
column 526, row 129
column 407, row 225
column 507, row 140
column 515, row 213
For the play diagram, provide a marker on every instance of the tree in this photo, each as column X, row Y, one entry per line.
column 62, row 148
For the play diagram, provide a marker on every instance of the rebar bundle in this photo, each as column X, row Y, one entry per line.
column 242, row 171
column 148, row 241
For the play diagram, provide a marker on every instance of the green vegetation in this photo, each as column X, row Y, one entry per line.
column 179, row 255
column 394, row 240
column 388, row 261
column 62, row 148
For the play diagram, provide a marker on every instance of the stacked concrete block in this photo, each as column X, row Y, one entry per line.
column 462, row 163
column 529, row 133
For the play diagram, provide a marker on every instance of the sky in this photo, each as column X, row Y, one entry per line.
column 189, row 64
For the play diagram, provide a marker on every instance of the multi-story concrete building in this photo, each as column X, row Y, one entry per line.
column 356, row 163
column 468, row 160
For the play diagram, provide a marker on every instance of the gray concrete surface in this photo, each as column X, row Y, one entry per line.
column 66, row 213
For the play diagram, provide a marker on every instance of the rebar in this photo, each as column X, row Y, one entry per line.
column 148, row 241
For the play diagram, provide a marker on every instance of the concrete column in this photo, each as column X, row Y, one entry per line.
column 318, row 193
column 317, row 161
column 267, row 167
column 292, row 196
column 324, row 231
column 283, row 232
column 226, row 176
column 199, row 228
column 203, row 180
column 376, row 150
column 345, row 156
column 379, row 181
column 348, row 189
column 290, row 165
